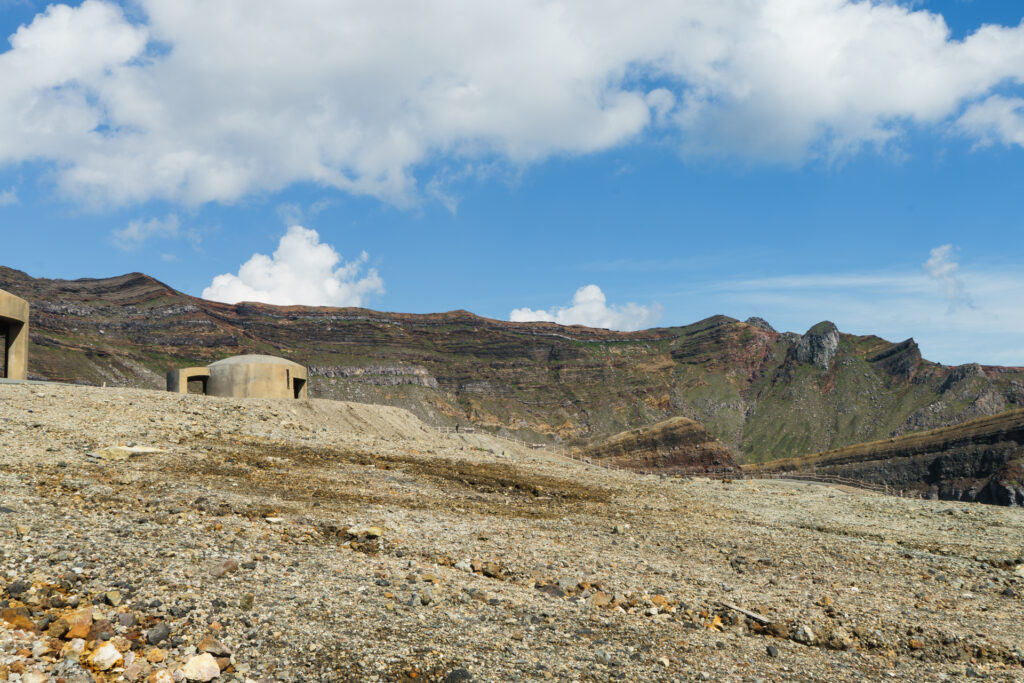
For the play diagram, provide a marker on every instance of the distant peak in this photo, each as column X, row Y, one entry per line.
column 822, row 328
column 760, row 323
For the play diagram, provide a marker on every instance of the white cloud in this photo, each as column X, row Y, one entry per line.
column 135, row 234
column 996, row 119
column 590, row 307
column 9, row 197
column 200, row 101
column 302, row 271
column 942, row 267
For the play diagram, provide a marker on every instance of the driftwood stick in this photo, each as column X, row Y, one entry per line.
column 747, row 613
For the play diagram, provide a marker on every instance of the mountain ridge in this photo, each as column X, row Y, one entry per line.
column 763, row 393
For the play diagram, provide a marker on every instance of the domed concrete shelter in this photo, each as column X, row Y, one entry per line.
column 249, row 376
column 13, row 336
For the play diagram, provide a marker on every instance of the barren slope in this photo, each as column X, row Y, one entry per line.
column 330, row 541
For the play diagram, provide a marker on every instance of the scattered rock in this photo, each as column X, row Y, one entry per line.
column 222, row 568
column 105, row 657
column 804, row 635
column 158, row 633
column 201, row 668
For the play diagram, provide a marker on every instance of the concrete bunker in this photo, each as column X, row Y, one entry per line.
column 13, row 336
column 249, row 376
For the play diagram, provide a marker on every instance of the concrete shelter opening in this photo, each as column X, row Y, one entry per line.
column 13, row 336
column 184, row 380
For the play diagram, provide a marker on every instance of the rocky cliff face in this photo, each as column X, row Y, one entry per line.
column 818, row 346
column 763, row 394
column 981, row 461
column 674, row 446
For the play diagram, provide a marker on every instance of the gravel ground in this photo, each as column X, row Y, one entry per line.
column 150, row 536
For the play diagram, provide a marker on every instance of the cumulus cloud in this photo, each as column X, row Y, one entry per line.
column 302, row 271
column 942, row 267
column 997, row 119
column 590, row 307
column 196, row 101
column 9, row 197
column 135, row 234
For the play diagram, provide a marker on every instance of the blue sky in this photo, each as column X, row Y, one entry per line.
column 615, row 164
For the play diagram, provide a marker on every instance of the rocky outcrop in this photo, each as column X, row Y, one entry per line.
column 676, row 446
column 379, row 375
column 979, row 461
column 899, row 360
column 818, row 346
column 760, row 323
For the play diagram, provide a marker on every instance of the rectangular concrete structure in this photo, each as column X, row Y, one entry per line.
column 177, row 380
column 13, row 336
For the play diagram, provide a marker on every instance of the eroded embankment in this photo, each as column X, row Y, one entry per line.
column 979, row 461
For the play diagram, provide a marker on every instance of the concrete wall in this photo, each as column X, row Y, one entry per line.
column 177, row 380
column 258, row 380
column 14, row 319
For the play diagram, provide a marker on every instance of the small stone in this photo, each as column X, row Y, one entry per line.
column 620, row 529
column 112, row 598
column 156, row 655
column 17, row 619
column 664, row 661
column 246, row 602
column 126, row 619
column 804, row 635
column 33, row 677
column 134, row 671
column 568, row 583
column 222, row 568
column 73, row 649
column 79, row 623
column 158, row 633
column 772, row 651
column 214, row 647
column 491, row 569
column 464, row 566
column 201, row 668
column 105, row 657
column 161, row 676
column 458, row 676
column 599, row 599
column 16, row 589
column 369, row 532
column 274, row 520
column 1019, row 571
